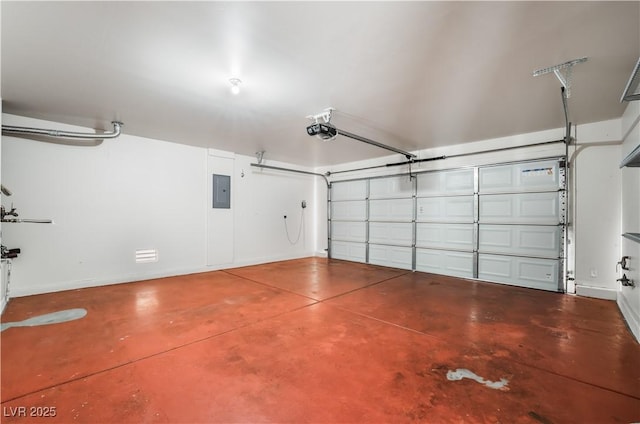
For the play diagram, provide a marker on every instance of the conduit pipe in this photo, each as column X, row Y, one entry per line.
column 567, row 124
column 117, row 126
column 298, row 171
column 410, row 162
column 27, row 221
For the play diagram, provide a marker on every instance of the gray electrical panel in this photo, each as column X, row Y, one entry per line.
column 221, row 191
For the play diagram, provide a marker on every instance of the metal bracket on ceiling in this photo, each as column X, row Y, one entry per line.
column 325, row 116
column 563, row 72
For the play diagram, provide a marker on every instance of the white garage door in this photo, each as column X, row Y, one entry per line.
column 391, row 221
column 502, row 223
column 521, row 224
column 348, row 224
column 445, row 222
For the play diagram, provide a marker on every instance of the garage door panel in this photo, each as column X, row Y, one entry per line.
column 518, row 271
column 349, row 231
column 529, row 176
column 349, row 190
column 391, row 210
column 445, row 209
column 393, row 256
column 356, row 252
column 522, row 208
column 354, row 210
column 501, row 223
column 459, row 181
column 520, row 240
column 393, row 187
column 391, row 233
column 458, row 264
column 445, row 236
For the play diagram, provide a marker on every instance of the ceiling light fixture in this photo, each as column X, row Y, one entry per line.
column 235, row 85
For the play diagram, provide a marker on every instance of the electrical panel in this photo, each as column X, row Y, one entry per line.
column 221, row 191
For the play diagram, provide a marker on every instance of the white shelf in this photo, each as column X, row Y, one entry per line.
column 632, row 159
column 632, row 236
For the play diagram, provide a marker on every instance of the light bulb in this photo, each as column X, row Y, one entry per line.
column 235, row 85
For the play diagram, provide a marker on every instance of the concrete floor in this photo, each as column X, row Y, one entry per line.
column 317, row 340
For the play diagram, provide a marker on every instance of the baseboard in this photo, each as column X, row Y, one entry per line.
column 97, row 282
column 631, row 316
column 597, row 292
column 262, row 260
column 17, row 291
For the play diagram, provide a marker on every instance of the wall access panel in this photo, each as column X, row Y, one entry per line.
column 220, row 216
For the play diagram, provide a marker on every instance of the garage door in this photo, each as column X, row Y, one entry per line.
column 348, row 222
column 501, row 223
column 391, row 221
column 445, row 230
column 521, row 218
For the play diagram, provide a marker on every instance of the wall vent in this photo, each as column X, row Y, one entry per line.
column 146, row 255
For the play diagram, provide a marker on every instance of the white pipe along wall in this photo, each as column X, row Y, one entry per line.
column 132, row 193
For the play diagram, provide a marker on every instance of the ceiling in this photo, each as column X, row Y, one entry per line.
column 413, row 75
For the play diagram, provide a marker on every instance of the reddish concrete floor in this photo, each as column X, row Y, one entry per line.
column 318, row 340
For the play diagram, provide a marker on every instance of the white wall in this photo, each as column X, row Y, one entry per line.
column 263, row 198
column 629, row 298
column 596, row 198
column 133, row 193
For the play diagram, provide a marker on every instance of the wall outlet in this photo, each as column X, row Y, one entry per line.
column 593, row 273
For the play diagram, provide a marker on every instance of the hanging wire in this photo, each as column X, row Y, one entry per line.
column 299, row 229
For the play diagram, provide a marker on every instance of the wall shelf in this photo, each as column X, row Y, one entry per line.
column 632, row 236
column 632, row 159
column 632, row 90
